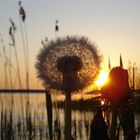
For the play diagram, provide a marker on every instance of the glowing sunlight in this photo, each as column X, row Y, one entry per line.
column 102, row 78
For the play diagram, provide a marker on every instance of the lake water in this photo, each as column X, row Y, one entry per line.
column 30, row 120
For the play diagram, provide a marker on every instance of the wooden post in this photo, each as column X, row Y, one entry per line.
column 68, row 116
column 49, row 113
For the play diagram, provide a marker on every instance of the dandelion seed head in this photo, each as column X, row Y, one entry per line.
column 64, row 54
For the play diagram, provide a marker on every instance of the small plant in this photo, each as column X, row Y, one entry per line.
column 68, row 64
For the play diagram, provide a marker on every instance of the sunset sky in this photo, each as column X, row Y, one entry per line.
column 114, row 26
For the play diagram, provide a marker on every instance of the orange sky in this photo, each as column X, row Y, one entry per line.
column 113, row 25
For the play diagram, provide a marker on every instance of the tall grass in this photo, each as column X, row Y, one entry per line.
column 12, row 122
column 25, row 119
column 24, row 35
column 14, row 125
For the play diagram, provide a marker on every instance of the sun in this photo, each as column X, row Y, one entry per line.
column 102, row 78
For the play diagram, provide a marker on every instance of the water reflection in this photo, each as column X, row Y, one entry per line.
column 20, row 121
